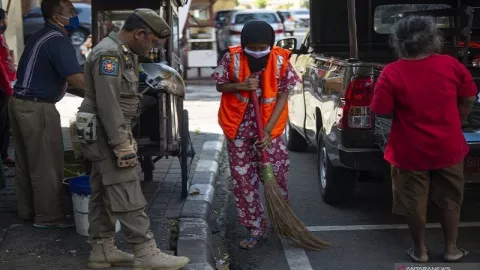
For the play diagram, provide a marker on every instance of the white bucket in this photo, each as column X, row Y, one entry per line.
column 80, row 212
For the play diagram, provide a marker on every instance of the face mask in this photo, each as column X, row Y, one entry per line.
column 73, row 23
column 257, row 54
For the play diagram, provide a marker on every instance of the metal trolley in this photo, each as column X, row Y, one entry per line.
column 162, row 129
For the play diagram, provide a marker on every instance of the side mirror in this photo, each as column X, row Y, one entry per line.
column 288, row 44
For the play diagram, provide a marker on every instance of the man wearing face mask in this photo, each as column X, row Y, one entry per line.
column 48, row 63
column 112, row 102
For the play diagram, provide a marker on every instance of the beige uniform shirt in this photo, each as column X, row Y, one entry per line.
column 111, row 82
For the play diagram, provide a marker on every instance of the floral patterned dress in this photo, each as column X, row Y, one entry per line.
column 245, row 161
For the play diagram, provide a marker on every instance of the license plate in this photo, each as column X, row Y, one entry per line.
column 472, row 165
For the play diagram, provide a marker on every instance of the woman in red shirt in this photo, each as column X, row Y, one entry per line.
column 7, row 76
column 428, row 95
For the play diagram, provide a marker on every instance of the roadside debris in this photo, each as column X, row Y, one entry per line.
column 223, row 264
column 195, row 192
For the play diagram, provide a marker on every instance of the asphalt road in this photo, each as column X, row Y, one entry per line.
column 360, row 241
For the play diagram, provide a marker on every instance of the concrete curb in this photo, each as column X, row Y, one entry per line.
column 194, row 239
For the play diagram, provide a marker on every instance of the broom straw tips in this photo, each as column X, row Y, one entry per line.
column 283, row 220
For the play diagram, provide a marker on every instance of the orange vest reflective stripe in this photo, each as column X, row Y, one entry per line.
column 234, row 105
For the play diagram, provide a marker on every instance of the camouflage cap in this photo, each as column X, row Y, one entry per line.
column 154, row 22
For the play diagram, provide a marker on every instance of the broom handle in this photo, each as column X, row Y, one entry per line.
column 258, row 118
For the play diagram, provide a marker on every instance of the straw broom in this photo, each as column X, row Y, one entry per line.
column 283, row 220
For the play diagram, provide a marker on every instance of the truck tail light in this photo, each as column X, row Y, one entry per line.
column 279, row 29
column 356, row 105
column 235, row 32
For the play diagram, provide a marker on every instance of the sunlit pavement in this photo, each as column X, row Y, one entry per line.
column 364, row 233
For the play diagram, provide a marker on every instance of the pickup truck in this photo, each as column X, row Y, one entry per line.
column 339, row 62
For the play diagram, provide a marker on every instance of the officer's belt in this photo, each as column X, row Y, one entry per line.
column 32, row 99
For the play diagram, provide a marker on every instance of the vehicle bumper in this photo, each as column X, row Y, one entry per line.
column 362, row 159
column 305, row 22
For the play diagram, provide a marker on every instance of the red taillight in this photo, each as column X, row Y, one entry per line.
column 476, row 61
column 356, row 106
column 234, row 32
column 280, row 29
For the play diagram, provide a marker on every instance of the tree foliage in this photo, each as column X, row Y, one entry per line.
column 261, row 3
column 306, row 4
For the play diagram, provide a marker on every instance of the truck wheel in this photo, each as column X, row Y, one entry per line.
column 337, row 184
column 295, row 141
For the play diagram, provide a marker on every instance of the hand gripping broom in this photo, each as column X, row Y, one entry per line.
column 283, row 220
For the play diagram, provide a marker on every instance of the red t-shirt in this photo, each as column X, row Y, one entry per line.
column 7, row 69
column 426, row 131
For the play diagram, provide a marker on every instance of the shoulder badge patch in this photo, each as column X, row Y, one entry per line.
column 109, row 65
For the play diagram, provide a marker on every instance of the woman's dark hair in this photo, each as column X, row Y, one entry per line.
column 416, row 35
column 3, row 14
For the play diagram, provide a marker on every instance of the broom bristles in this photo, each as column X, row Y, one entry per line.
column 285, row 223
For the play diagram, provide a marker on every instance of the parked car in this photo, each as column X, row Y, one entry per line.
column 229, row 34
column 220, row 17
column 288, row 21
column 302, row 17
column 33, row 21
column 219, row 20
column 331, row 108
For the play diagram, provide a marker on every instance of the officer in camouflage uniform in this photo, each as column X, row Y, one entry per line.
column 111, row 78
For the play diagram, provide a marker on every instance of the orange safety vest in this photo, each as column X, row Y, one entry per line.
column 234, row 105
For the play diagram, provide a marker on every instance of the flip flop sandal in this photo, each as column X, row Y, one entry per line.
column 462, row 254
column 411, row 254
column 250, row 239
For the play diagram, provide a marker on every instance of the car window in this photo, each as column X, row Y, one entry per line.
column 386, row 16
column 247, row 17
column 221, row 15
column 84, row 15
column 476, row 18
column 34, row 13
column 227, row 19
column 302, row 12
column 285, row 14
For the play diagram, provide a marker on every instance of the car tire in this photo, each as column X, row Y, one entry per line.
column 295, row 141
column 337, row 184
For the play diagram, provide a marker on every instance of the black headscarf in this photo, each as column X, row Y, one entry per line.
column 260, row 32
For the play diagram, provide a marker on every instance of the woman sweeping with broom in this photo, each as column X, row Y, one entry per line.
column 252, row 71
